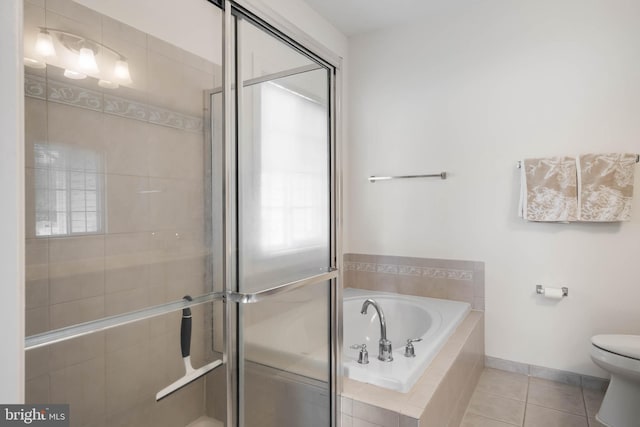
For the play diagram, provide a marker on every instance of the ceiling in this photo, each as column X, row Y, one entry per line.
column 354, row 17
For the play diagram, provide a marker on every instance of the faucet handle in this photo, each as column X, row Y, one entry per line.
column 409, row 351
column 363, row 356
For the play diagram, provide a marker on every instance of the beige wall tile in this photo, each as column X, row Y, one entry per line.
column 36, row 273
column 357, row 422
column 73, row 312
column 73, row 286
column 112, row 28
column 177, row 205
column 129, row 377
column 30, row 203
column 126, row 146
column 139, row 415
column 373, row 414
column 70, row 249
column 174, row 153
column 39, row 3
column 126, row 335
column 76, row 268
column 127, row 204
column 36, row 390
column 126, row 301
column 164, row 48
column 77, row 350
column 37, row 259
column 195, row 83
column 82, row 386
column 164, row 77
column 76, row 12
column 35, row 117
column 460, row 291
column 408, row 421
column 75, row 127
column 36, row 362
column 37, row 320
column 435, row 278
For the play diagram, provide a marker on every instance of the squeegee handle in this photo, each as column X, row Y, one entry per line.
column 185, row 330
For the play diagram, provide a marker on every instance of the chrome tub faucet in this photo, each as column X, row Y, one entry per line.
column 384, row 345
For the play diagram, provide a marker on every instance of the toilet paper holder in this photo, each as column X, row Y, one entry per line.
column 540, row 290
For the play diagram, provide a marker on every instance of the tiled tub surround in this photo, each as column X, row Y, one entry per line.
column 426, row 277
column 441, row 395
column 150, row 248
column 439, row 398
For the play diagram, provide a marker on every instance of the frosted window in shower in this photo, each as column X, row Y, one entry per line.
column 284, row 180
column 68, row 190
column 293, row 201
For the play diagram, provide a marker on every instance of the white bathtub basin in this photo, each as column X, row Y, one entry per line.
column 431, row 319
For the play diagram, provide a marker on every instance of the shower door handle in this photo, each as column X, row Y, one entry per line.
column 250, row 298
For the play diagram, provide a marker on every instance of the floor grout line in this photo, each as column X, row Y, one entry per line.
column 526, row 400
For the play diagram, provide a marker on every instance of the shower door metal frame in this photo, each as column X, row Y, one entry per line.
column 296, row 39
column 292, row 36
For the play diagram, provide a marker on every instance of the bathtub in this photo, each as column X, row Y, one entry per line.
column 431, row 319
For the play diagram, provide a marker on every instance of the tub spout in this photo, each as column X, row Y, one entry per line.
column 384, row 345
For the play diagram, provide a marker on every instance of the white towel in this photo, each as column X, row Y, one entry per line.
column 605, row 186
column 548, row 190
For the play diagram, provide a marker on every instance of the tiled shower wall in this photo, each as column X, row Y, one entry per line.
column 149, row 138
column 427, row 277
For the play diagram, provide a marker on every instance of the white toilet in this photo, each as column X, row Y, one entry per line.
column 620, row 356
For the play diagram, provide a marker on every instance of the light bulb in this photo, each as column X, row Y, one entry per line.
column 121, row 71
column 108, row 84
column 87, row 61
column 74, row 75
column 44, row 44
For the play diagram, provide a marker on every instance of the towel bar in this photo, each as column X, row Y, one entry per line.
column 441, row 175
column 540, row 290
column 519, row 164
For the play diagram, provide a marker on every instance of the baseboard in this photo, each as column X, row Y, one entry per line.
column 567, row 377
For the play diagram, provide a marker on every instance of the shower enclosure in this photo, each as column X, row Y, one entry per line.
column 188, row 150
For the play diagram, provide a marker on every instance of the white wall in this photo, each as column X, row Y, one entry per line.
column 12, row 211
column 308, row 20
column 471, row 91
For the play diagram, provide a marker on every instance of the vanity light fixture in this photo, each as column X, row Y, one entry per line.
column 44, row 44
column 115, row 70
column 107, row 84
column 74, row 75
column 87, row 61
column 121, row 71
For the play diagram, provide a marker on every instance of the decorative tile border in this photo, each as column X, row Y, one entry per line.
column 65, row 93
column 410, row 270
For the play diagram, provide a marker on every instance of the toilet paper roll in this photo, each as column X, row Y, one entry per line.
column 553, row 293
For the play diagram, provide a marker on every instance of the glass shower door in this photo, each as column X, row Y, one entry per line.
column 284, row 225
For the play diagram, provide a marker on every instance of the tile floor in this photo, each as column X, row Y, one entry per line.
column 505, row 399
